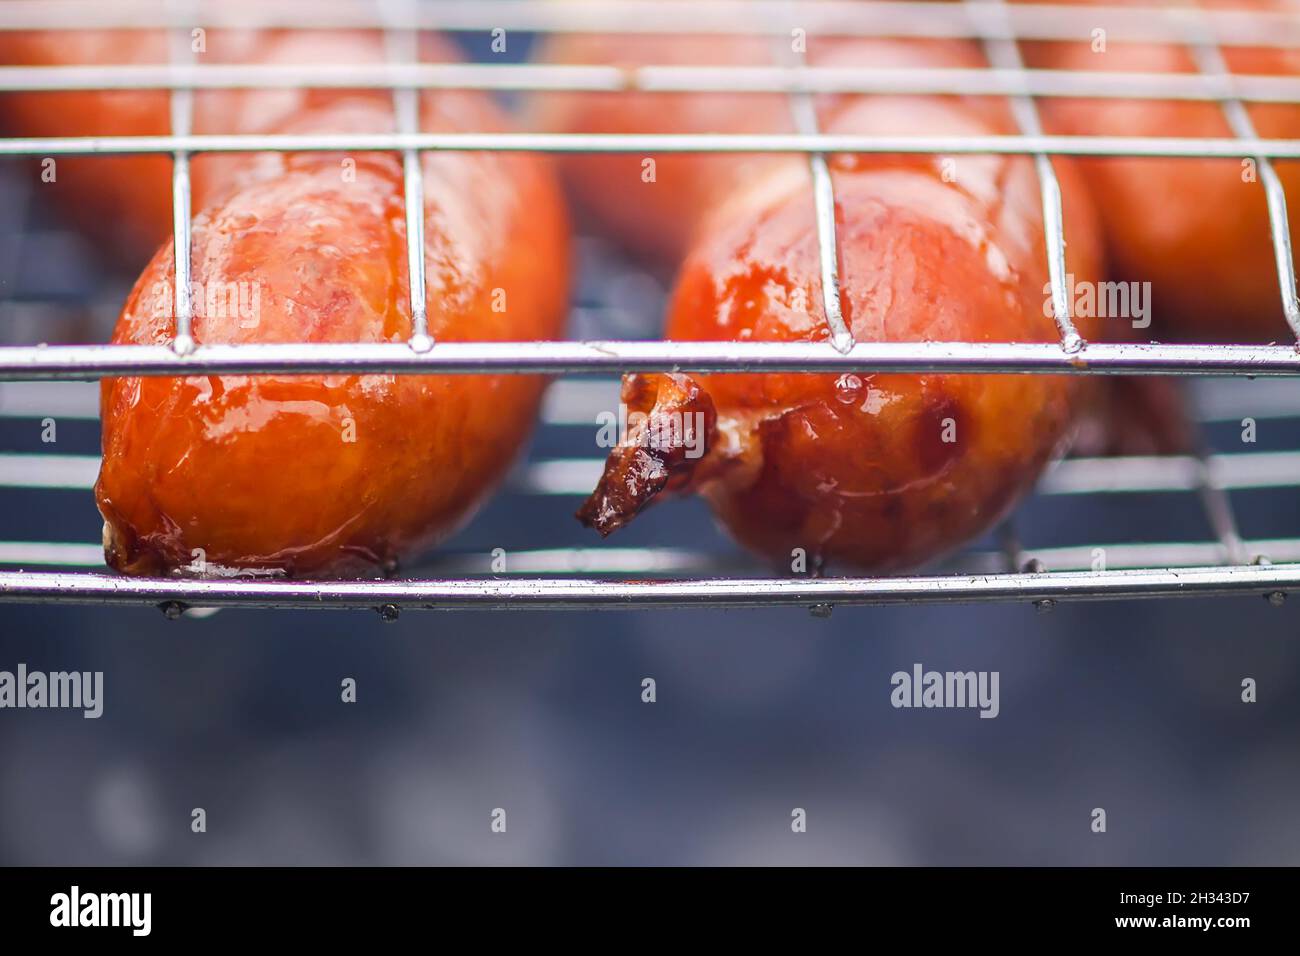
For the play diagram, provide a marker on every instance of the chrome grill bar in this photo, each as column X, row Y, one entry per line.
column 1168, row 147
column 566, row 593
column 81, row 362
column 1138, row 22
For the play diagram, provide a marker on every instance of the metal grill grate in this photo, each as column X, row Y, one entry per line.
column 1224, row 565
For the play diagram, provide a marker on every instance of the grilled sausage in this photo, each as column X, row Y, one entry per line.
column 879, row 472
column 325, row 475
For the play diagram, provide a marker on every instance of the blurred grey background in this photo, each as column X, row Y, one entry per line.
column 1134, row 707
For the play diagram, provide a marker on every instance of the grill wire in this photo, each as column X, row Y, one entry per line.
column 1224, row 565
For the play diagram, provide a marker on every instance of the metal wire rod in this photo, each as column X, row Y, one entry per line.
column 1133, row 556
column 567, row 593
column 558, row 476
column 1073, row 476
column 1043, row 21
column 804, row 115
column 1235, row 400
column 72, row 472
column 1005, row 55
column 541, row 77
column 1010, row 549
column 1171, row 473
column 181, row 108
column 1209, row 60
column 11, row 246
column 59, row 400
column 403, row 49
column 681, row 561
column 51, row 554
column 1217, row 506
column 519, row 562
column 1146, row 146
column 577, row 476
column 1216, row 501
column 577, row 401
column 87, row 362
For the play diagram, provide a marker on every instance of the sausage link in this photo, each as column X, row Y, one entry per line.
column 322, row 475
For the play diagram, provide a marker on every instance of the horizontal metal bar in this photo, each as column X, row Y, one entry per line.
column 81, row 362
column 78, row 401
column 1140, row 146
column 1143, row 474
column 558, row 476
column 541, row 77
column 51, row 554
column 681, row 561
column 72, row 472
column 577, row 401
column 567, row 402
column 577, row 476
column 1071, row 476
column 1044, row 21
column 567, row 593
column 1235, row 400
column 1138, row 555
column 643, row 561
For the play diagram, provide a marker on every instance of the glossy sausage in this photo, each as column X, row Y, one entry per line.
column 878, row 472
column 312, row 476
